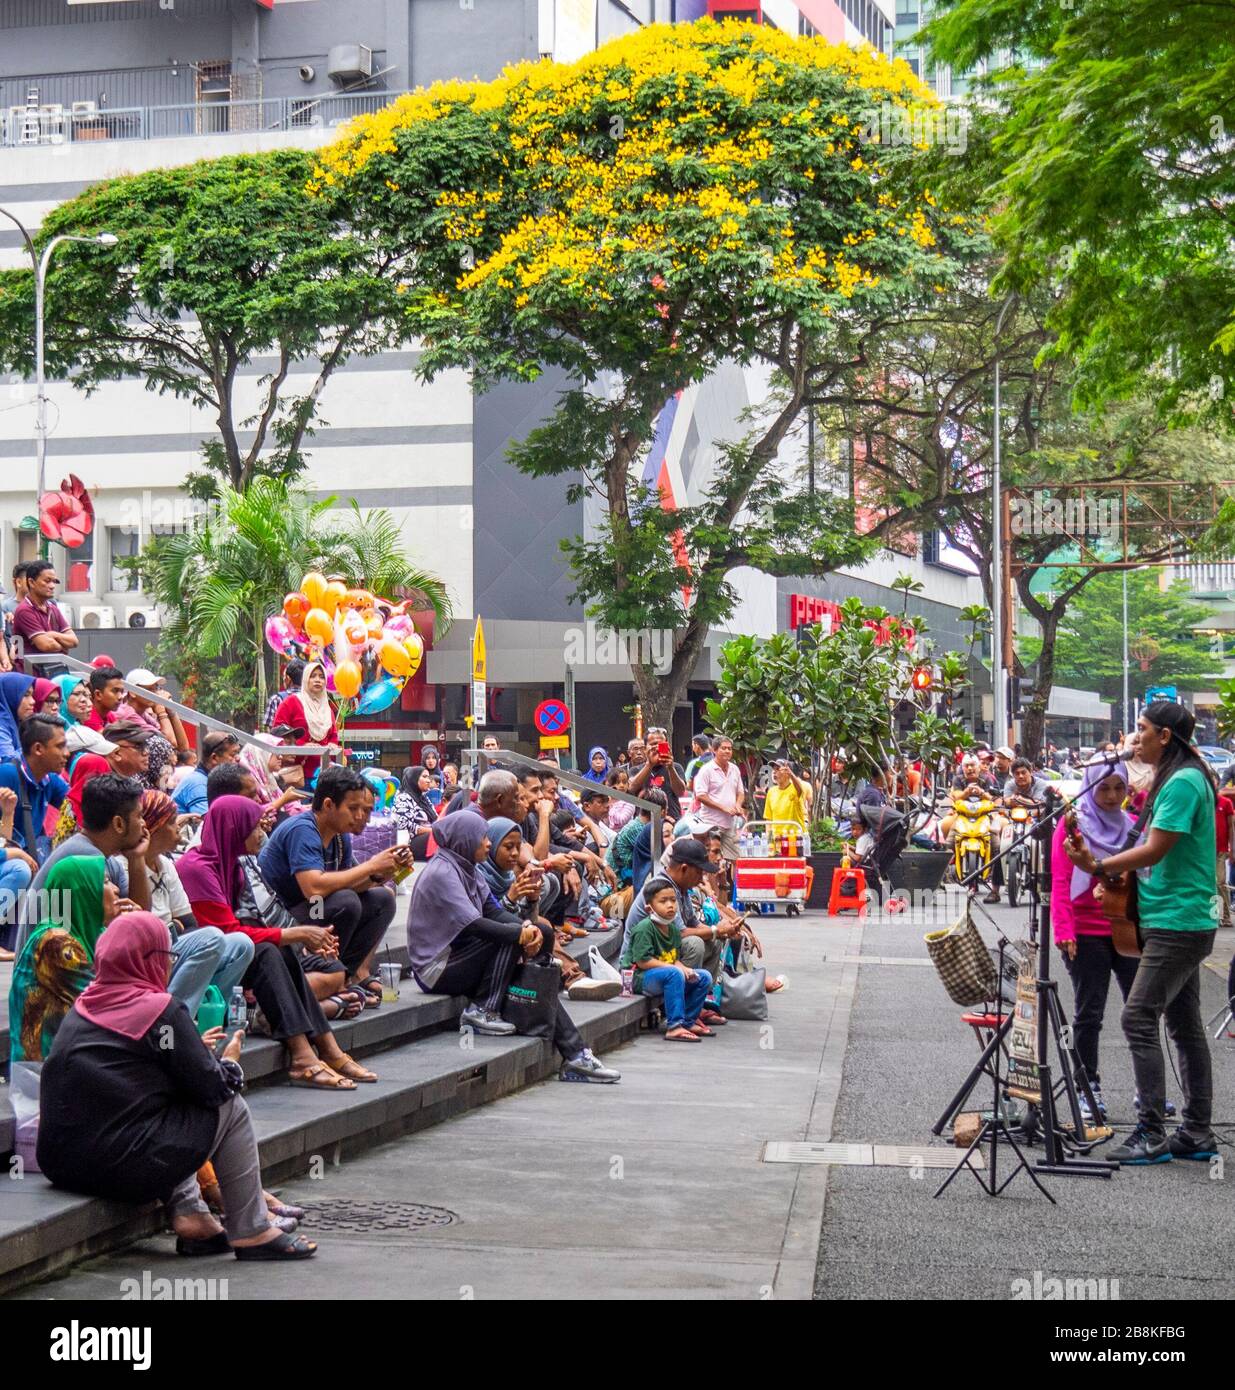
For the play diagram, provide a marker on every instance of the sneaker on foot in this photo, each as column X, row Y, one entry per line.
column 587, row 988
column 1184, row 1145
column 586, row 1067
column 1141, row 1146
column 1086, row 1113
column 482, row 1021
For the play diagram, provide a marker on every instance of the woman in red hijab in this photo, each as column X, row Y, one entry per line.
column 215, row 885
column 132, row 1104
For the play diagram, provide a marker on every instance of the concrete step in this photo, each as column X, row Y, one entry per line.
column 428, row 1072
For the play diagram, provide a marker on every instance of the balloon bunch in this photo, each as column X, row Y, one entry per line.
column 368, row 645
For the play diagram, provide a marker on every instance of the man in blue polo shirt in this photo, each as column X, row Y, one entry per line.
column 36, row 777
column 308, row 865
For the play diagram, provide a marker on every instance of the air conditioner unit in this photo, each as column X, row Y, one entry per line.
column 97, row 617
column 349, row 62
column 141, row 617
column 85, row 108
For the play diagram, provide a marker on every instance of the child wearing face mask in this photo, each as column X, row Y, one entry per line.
column 653, row 952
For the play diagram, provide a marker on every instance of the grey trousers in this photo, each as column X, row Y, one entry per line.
column 234, row 1156
column 701, row 954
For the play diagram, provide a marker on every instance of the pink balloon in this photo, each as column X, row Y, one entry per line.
column 398, row 627
column 281, row 635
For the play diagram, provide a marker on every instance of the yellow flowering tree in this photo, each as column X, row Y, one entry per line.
column 685, row 197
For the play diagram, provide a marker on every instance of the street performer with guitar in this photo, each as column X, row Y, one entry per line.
column 1173, row 873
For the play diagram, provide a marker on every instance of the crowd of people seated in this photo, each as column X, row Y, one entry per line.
column 140, row 879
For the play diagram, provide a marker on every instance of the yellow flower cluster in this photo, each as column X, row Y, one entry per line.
column 616, row 174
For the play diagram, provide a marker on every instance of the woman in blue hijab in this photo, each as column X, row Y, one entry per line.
column 599, row 765
column 16, row 704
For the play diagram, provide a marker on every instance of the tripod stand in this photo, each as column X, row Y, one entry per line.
column 1060, row 1144
column 996, row 1127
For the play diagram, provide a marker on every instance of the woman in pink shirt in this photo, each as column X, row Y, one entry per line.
column 1082, row 932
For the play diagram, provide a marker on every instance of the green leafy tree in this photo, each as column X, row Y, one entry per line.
column 689, row 196
column 1111, row 170
column 223, row 577
column 219, row 264
column 1089, row 647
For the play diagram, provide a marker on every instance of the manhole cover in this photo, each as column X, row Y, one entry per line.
column 376, row 1217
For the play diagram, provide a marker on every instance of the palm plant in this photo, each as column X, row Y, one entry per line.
column 222, row 578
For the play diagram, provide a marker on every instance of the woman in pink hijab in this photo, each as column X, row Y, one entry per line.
column 133, row 1102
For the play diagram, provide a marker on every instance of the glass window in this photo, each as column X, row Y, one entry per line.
column 79, row 567
column 123, row 542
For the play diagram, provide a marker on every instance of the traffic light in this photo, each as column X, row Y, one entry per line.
column 1022, row 692
column 922, row 678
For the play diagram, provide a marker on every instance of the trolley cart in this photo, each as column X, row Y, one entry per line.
column 771, row 867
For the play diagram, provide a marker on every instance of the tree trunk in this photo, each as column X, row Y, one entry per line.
column 659, row 693
column 1033, row 726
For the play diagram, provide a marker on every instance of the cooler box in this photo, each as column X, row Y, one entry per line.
column 779, row 880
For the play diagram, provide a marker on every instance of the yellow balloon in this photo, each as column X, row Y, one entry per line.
column 333, row 596
column 415, row 649
column 318, row 627
column 347, row 679
column 313, row 587
column 394, row 657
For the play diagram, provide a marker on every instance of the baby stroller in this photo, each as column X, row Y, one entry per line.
column 885, row 833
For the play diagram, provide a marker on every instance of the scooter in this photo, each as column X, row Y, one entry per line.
column 972, row 836
column 1016, row 858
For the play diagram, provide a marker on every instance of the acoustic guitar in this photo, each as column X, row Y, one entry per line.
column 1116, row 898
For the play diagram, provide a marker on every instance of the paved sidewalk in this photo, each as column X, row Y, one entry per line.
column 651, row 1188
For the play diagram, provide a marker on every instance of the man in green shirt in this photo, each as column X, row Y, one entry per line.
column 1176, row 865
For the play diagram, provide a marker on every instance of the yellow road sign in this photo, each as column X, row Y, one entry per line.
column 554, row 741
column 480, row 659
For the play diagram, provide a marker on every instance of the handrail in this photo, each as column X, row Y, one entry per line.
column 572, row 779
column 192, row 716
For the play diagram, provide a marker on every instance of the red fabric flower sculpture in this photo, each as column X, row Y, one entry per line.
column 67, row 516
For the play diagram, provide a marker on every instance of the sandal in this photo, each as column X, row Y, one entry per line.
column 347, row 1006
column 771, row 986
column 347, row 1066
column 681, row 1035
column 372, row 996
column 317, row 1076
column 701, row 1030
column 282, row 1247
column 277, row 1208
column 217, row 1244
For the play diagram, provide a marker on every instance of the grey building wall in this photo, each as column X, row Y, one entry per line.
column 518, row 568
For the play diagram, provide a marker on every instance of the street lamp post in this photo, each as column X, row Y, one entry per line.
column 40, row 265
column 997, row 543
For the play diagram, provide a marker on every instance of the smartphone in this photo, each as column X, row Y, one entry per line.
column 403, row 837
column 663, row 751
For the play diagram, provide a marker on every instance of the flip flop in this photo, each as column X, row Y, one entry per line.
column 217, row 1244
column 282, row 1247
column 773, row 985
column 682, row 1035
column 372, row 997
column 346, row 1007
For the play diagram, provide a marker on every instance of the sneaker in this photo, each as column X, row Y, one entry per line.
column 1086, row 1113
column 482, row 1021
column 587, row 988
column 992, row 896
column 1141, row 1147
column 1185, row 1146
column 586, row 1067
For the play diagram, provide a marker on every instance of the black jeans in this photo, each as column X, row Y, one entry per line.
column 1168, row 985
column 359, row 921
column 1096, row 961
column 480, row 967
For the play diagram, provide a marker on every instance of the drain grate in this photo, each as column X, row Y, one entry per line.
column 866, row 1155
column 376, row 1218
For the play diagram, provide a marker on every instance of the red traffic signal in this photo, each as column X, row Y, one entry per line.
column 922, row 678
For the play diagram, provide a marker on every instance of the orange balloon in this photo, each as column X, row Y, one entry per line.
column 347, row 679
column 318, row 627
column 295, row 606
column 333, row 596
column 355, row 631
column 415, row 649
column 373, row 623
column 355, row 598
column 394, row 657
column 313, row 587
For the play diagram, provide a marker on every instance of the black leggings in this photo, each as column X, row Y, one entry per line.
column 281, row 990
column 481, row 963
column 1096, row 961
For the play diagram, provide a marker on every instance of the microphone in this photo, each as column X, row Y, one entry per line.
column 1103, row 760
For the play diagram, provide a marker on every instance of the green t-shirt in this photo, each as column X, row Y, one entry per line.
column 648, row 941
column 1180, row 891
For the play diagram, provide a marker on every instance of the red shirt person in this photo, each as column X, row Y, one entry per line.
column 106, row 696
column 310, row 714
column 1224, row 818
column 37, row 620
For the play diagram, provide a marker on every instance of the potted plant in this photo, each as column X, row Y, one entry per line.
column 827, row 850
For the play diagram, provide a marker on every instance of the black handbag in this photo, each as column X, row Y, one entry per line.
column 530, row 1001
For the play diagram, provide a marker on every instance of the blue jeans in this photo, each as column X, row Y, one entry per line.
column 14, row 880
column 208, row 956
column 684, row 999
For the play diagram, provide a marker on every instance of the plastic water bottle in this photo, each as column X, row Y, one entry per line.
column 237, row 1010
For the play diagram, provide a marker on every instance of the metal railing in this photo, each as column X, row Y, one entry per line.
column 571, row 779
column 187, row 714
column 56, row 124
